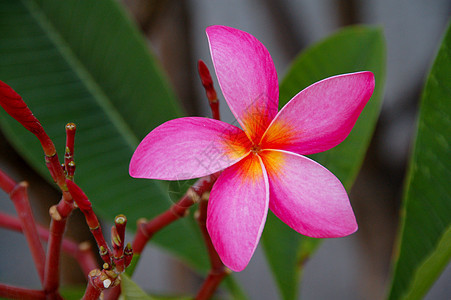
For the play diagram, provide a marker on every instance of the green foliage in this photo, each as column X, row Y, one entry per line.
column 73, row 292
column 131, row 291
column 424, row 244
column 353, row 49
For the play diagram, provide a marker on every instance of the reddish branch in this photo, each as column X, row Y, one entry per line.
column 52, row 263
column 58, row 214
column 14, row 292
column 207, row 82
column 180, row 209
column 81, row 252
column 218, row 271
column 13, row 104
column 19, row 196
column 91, row 219
column 118, row 250
column 69, row 164
column 6, row 183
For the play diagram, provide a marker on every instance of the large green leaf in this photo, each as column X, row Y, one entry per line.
column 85, row 62
column 424, row 245
column 353, row 49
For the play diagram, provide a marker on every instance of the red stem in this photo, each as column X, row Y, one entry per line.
column 147, row 229
column 215, row 260
column 120, row 222
column 118, row 250
column 14, row 292
column 207, row 82
column 218, row 271
column 81, row 252
column 104, row 249
column 69, row 154
column 56, row 171
column 19, row 197
column 59, row 214
column 128, row 254
column 6, row 183
column 210, row 284
column 91, row 219
column 52, row 264
column 14, row 105
column 92, row 291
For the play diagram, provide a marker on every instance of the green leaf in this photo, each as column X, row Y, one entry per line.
column 424, row 243
column 131, row 291
column 85, row 62
column 234, row 288
column 72, row 292
column 352, row 49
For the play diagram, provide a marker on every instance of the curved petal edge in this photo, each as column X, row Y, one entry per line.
column 188, row 148
column 247, row 77
column 308, row 197
column 237, row 211
column 322, row 115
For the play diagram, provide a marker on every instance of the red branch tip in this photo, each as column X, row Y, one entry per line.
column 120, row 221
column 14, row 105
column 69, row 163
column 207, row 82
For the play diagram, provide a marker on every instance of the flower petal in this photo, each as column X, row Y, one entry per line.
column 247, row 77
column 307, row 197
column 188, row 148
column 237, row 211
column 320, row 116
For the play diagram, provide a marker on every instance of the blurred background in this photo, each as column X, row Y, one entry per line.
column 356, row 267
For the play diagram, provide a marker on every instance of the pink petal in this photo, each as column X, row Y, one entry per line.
column 237, row 211
column 188, row 148
column 320, row 116
column 307, row 197
column 247, row 77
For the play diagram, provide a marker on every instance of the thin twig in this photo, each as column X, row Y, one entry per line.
column 207, row 83
column 52, row 263
column 147, row 229
column 81, row 252
column 14, row 292
column 91, row 219
column 6, row 183
column 19, row 197
column 69, row 163
column 218, row 271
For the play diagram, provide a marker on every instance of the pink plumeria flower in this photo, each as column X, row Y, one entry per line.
column 263, row 163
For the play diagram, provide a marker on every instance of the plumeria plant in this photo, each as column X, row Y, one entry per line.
column 249, row 177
